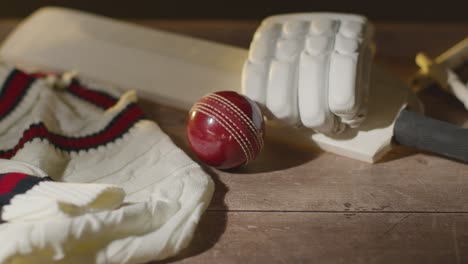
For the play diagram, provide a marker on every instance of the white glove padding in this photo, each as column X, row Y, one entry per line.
column 311, row 69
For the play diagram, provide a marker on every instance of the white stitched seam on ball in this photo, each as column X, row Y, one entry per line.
column 232, row 130
column 232, row 107
column 244, row 137
column 211, row 114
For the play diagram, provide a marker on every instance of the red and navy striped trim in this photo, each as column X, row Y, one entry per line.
column 18, row 83
column 98, row 98
column 113, row 131
column 14, row 88
column 13, row 91
column 15, row 183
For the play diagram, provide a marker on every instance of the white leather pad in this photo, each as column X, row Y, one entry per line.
column 311, row 69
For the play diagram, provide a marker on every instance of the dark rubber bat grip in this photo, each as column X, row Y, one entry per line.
column 421, row 132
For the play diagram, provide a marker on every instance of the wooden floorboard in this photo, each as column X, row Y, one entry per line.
column 289, row 179
column 332, row 183
column 252, row 237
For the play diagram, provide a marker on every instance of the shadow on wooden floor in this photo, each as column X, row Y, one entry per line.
column 443, row 106
column 211, row 227
column 275, row 155
column 278, row 156
column 212, row 224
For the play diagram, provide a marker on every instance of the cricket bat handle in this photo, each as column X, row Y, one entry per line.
column 424, row 133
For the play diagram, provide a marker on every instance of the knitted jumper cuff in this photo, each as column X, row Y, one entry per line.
column 29, row 197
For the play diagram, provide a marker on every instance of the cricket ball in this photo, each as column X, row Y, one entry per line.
column 226, row 129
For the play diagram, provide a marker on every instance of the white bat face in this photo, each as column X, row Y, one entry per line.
column 311, row 69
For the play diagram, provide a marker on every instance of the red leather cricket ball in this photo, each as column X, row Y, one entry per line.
column 226, row 129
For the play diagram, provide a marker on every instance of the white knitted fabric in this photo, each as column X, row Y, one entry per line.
column 56, row 199
column 134, row 199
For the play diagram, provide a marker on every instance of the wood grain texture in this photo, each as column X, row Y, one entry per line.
column 284, row 178
column 252, row 237
column 307, row 206
column 297, row 206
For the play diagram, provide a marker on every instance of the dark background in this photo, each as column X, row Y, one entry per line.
column 397, row 10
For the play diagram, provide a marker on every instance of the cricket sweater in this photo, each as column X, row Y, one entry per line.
column 85, row 177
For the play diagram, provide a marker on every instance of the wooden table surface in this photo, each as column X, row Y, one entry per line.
column 296, row 206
